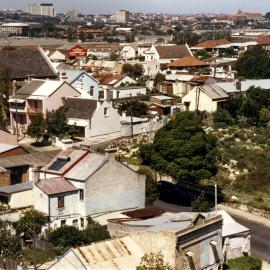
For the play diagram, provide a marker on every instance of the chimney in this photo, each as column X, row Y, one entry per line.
column 110, row 152
column 238, row 86
column 14, row 87
column 63, row 77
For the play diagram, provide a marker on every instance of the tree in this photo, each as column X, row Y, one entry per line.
column 158, row 80
column 222, row 118
column 267, row 15
column 134, row 71
column 253, row 64
column 30, row 224
column 66, row 236
column 37, row 127
column 154, row 261
column 5, row 90
column 138, row 108
column 113, row 56
column 264, row 116
column 127, row 69
column 57, row 123
column 183, row 150
column 9, row 245
column 200, row 204
column 202, row 54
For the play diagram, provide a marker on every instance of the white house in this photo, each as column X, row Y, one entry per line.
column 93, row 118
column 109, row 81
column 205, row 98
column 82, row 81
column 80, row 183
column 17, row 196
column 56, row 56
column 126, row 92
column 167, row 53
column 128, row 52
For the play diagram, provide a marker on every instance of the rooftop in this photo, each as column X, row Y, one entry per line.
column 16, row 188
column 213, row 91
column 55, row 186
column 7, row 147
column 188, row 61
column 173, row 51
column 210, row 44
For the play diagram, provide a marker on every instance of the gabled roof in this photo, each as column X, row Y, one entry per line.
column 65, row 160
column 27, row 62
column 214, row 92
column 109, row 79
column 73, row 75
column 173, row 51
column 55, row 186
column 210, row 44
column 28, row 89
column 16, row 188
column 188, row 61
column 4, row 147
column 80, row 108
column 263, row 40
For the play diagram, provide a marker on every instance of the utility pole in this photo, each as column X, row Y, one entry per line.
column 17, row 129
column 131, row 116
column 216, row 198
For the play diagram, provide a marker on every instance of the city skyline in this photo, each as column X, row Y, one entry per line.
column 155, row 6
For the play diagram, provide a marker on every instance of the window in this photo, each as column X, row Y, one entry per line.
column 63, row 223
column 106, row 111
column 91, row 90
column 82, row 222
column 61, row 201
column 81, row 194
column 75, row 223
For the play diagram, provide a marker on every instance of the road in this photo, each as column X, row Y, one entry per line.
column 260, row 238
column 260, row 235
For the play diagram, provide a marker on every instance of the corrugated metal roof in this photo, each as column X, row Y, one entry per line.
column 54, row 186
column 86, row 167
column 214, row 92
column 121, row 253
column 35, row 159
column 4, row 147
column 16, row 188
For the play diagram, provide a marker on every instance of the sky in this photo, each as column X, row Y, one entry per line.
column 155, row 6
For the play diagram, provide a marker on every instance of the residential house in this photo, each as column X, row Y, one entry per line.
column 186, row 240
column 161, row 104
column 121, row 253
column 98, row 184
column 17, row 196
column 37, row 96
column 77, row 52
column 82, row 81
column 93, row 118
column 143, row 47
column 166, row 53
column 189, row 63
column 264, row 41
column 25, row 63
column 205, row 98
column 129, row 52
column 123, row 92
column 7, row 150
column 22, row 168
column 210, row 45
column 109, row 81
column 57, row 55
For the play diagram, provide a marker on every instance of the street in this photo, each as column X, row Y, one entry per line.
column 260, row 238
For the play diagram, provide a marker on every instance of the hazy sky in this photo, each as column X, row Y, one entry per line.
column 170, row 6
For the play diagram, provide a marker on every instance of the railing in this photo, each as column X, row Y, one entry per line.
column 34, row 110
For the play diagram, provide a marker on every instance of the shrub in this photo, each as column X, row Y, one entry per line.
column 244, row 263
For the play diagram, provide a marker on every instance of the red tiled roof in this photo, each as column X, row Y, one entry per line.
column 108, row 78
column 210, row 44
column 263, row 40
column 55, row 186
column 188, row 62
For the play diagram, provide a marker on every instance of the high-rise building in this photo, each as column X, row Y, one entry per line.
column 47, row 9
column 33, row 8
column 122, row 16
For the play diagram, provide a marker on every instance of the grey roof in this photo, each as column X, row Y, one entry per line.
column 80, row 108
column 23, row 63
column 35, row 159
column 230, row 87
column 86, row 167
column 4, row 147
column 28, row 89
column 16, row 188
column 214, row 92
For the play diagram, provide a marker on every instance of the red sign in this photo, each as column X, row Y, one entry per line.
column 77, row 51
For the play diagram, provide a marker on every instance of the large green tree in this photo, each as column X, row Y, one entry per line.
column 253, row 64
column 37, row 127
column 182, row 149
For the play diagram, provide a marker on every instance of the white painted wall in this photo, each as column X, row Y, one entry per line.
column 21, row 199
column 124, row 93
column 205, row 102
column 114, row 187
column 128, row 52
column 40, row 200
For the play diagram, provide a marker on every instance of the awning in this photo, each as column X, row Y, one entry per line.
column 16, row 100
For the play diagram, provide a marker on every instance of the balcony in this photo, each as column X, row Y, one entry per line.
column 17, row 107
column 31, row 110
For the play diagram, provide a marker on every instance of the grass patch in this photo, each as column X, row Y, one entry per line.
column 42, row 256
column 244, row 263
